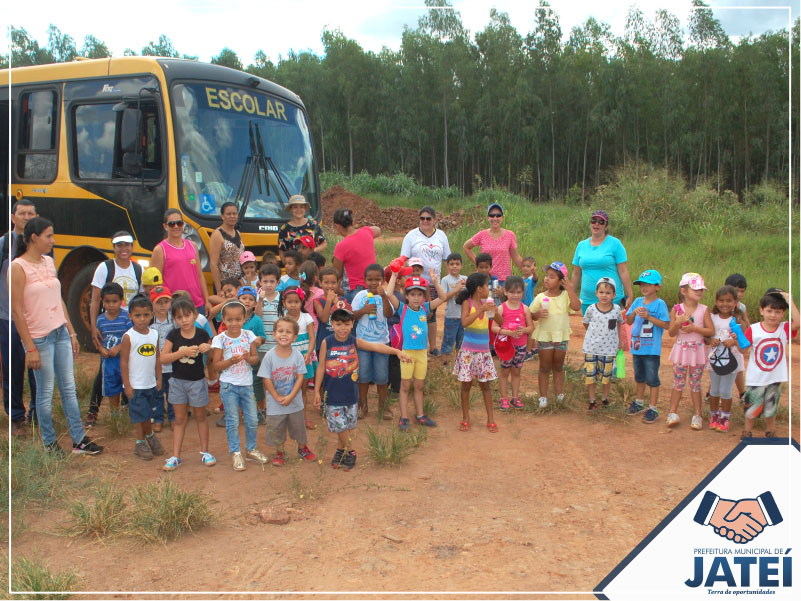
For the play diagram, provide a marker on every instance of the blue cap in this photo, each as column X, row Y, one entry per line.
column 649, row 276
column 247, row 290
column 493, row 206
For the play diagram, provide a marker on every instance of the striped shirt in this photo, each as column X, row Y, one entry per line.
column 476, row 335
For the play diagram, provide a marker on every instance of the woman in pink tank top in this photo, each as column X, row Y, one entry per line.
column 47, row 334
column 179, row 262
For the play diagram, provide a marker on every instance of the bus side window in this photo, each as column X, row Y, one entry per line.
column 37, row 158
column 99, row 154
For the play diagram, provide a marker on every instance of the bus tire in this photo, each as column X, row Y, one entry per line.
column 78, row 301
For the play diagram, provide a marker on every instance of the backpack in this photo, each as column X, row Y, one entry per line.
column 396, row 332
column 111, row 270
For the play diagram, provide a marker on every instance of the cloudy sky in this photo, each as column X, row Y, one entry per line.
column 204, row 27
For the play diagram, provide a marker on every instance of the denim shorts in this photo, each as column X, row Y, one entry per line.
column 646, row 369
column 142, row 404
column 373, row 367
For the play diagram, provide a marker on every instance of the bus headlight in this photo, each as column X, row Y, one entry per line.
column 190, row 233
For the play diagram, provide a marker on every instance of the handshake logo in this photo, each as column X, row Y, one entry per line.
column 739, row 521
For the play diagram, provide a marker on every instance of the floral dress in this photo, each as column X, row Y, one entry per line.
column 232, row 249
column 289, row 235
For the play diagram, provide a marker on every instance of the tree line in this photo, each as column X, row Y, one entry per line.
column 541, row 115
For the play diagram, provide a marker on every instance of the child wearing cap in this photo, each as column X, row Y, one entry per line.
column 163, row 323
column 151, row 278
column 602, row 339
column 551, row 310
column 649, row 317
column 250, row 277
column 690, row 321
column 414, row 325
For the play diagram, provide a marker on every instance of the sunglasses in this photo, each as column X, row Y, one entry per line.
column 426, row 218
column 599, row 220
column 495, row 215
column 175, row 223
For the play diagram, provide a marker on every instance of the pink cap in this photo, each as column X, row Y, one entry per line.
column 693, row 280
column 246, row 256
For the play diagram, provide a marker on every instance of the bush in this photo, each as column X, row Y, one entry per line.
column 105, row 516
column 161, row 511
column 399, row 184
column 34, row 575
column 392, row 447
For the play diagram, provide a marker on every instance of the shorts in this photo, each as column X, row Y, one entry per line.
column 597, row 369
column 341, row 418
column 517, row 360
column 549, row 345
column 193, row 392
column 417, row 368
column 142, row 405
column 646, row 370
column 278, row 425
column 112, row 376
column 373, row 367
column 762, row 400
column 474, row 365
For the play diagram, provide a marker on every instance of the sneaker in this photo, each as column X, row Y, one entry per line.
column 635, row 408
column 723, row 424
column 91, row 420
column 239, row 462
column 207, row 459
column 221, row 422
column 403, row 424
column 543, row 402
column 55, row 450
column 256, row 455
column 262, row 414
column 650, row 415
column 593, row 405
column 171, row 464
column 278, row 459
column 672, row 419
column 86, row 447
column 155, row 445
column 305, row 453
column 337, row 460
column 516, row 403
column 530, row 355
column 349, row 461
column 142, row 450
column 714, row 421
column 503, row 404
column 560, row 397
column 697, row 422
column 605, row 403
column 424, row 420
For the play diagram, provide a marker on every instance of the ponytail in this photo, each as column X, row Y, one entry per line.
column 474, row 282
column 308, row 276
column 35, row 226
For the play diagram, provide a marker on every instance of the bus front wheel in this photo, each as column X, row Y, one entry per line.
column 79, row 298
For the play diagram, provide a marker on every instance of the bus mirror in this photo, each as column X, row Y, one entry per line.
column 130, row 130
column 132, row 163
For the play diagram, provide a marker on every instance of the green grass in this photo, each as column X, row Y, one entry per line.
column 161, row 511
column 118, row 423
column 103, row 516
column 34, row 575
column 392, row 447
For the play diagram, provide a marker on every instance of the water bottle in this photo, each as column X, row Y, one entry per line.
column 620, row 360
column 546, row 301
column 371, row 300
column 491, row 312
column 737, row 330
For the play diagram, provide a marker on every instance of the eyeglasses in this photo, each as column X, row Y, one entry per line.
column 599, row 220
column 425, row 218
column 495, row 215
column 175, row 224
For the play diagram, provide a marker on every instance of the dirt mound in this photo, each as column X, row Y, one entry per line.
column 366, row 212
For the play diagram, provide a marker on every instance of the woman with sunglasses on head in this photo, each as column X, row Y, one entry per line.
column 599, row 256
column 179, row 262
column 225, row 247
column 431, row 246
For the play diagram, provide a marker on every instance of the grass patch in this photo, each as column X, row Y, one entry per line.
column 161, row 511
column 34, row 575
column 104, row 516
column 392, row 447
column 118, row 423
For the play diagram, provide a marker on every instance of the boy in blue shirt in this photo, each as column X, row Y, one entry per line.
column 112, row 325
column 530, row 280
column 650, row 317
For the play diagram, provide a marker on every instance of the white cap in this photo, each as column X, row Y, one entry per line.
column 124, row 238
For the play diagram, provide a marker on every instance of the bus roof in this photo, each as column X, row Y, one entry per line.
column 172, row 68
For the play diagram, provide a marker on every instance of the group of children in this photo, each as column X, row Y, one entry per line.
column 282, row 343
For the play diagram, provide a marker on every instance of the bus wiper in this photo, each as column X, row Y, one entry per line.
column 278, row 177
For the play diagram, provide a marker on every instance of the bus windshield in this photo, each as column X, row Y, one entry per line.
column 214, row 127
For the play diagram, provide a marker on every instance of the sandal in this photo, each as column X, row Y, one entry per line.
column 464, row 426
column 493, row 427
column 310, row 425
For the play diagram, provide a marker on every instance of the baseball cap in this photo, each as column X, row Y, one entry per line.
column 246, row 256
column 159, row 292
column 649, row 276
column 247, row 290
column 415, row 261
column 152, row 277
column 416, row 283
column 601, row 214
column 307, row 241
column 693, row 280
column 504, row 348
column 494, row 205
column 737, row 280
column 608, row 281
column 559, row 267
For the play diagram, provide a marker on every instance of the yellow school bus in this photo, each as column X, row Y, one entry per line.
column 109, row 144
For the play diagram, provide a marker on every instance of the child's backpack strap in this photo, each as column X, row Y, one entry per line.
column 111, row 270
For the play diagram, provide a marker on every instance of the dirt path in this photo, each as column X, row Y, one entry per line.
column 552, row 502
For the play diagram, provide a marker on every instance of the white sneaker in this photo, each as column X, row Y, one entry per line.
column 560, row 397
column 697, row 422
column 672, row 419
column 543, row 402
column 256, row 455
